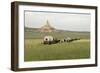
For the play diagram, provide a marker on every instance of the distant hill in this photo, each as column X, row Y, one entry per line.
column 36, row 33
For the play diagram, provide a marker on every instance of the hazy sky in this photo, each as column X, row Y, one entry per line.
column 64, row 21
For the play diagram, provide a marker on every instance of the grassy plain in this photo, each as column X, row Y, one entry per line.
column 36, row 51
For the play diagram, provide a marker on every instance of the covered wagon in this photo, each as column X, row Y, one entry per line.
column 50, row 40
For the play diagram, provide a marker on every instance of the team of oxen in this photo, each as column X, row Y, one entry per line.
column 51, row 40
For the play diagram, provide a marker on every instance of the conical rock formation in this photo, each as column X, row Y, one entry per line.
column 47, row 27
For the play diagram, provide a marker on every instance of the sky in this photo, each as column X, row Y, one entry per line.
column 64, row 21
